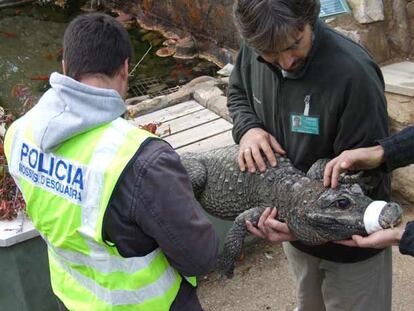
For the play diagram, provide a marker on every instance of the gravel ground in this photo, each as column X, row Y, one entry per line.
column 262, row 281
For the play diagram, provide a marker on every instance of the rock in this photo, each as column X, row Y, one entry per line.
column 169, row 42
column 400, row 35
column 133, row 111
column 218, row 104
column 182, row 95
column 136, row 100
column 403, row 181
column 185, row 48
column 401, row 115
column 380, row 46
column 165, row 52
column 367, row 11
column 410, row 10
column 136, row 109
column 226, row 70
column 352, row 34
column 225, row 80
column 400, row 111
column 204, row 92
column 200, row 79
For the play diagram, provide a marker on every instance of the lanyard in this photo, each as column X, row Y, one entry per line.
column 307, row 105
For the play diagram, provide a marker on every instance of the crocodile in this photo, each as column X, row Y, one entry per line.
column 314, row 213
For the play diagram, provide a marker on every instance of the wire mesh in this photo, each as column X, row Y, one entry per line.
column 152, row 87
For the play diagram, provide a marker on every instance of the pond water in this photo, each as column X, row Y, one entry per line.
column 31, row 49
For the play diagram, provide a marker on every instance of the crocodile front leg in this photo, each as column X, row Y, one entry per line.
column 196, row 172
column 235, row 240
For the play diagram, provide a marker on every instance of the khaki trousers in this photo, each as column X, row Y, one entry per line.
column 323, row 285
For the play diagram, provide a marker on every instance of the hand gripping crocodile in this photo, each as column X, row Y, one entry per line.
column 315, row 214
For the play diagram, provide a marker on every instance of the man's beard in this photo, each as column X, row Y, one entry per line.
column 298, row 65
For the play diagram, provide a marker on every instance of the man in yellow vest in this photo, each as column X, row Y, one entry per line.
column 113, row 203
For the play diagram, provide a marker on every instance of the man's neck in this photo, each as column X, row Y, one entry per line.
column 99, row 81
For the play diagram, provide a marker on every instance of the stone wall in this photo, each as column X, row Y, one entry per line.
column 383, row 27
column 401, row 115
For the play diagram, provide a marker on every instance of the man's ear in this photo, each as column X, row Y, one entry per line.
column 124, row 70
column 64, row 68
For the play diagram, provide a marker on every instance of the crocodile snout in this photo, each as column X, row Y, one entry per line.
column 390, row 215
column 382, row 215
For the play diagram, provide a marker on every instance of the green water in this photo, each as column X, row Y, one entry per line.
column 30, row 49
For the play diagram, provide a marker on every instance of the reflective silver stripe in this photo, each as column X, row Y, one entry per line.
column 123, row 297
column 107, row 147
column 188, row 279
column 104, row 262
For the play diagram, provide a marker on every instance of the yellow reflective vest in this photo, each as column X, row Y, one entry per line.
column 66, row 193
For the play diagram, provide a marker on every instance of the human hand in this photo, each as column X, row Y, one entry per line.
column 271, row 229
column 378, row 239
column 352, row 160
column 252, row 143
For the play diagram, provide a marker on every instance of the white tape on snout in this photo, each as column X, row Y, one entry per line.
column 371, row 216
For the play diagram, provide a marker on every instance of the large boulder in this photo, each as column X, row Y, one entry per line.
column 401, row 115
column 367, row 11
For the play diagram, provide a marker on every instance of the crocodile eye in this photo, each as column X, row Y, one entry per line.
column 343, row 203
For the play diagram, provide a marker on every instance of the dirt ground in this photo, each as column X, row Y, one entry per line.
column 262, row 281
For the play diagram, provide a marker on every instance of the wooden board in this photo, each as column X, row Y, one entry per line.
column 170, row 113
column 216, row 141
column 199, row 133
column 186, row 122
column 190, row 127
column 399, row 78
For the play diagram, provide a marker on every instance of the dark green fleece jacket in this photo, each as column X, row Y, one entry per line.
column 345, row 90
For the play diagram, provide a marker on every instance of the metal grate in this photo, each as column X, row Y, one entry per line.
column 151, row 87
column 168, row 90
column 141, row 87
column 331, row 8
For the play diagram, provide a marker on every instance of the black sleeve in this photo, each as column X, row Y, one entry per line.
column 407, row 240
column 399, row 149
column 364, row 120
column 243, row 116
column 166, row 210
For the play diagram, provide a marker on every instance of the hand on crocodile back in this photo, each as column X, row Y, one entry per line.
column 313, row 213
column 257, row 146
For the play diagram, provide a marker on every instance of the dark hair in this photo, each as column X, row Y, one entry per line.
column 266, row 24
column 95, row 44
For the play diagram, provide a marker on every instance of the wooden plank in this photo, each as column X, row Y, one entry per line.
column 186, row 122
column 169, row 113
column 216, row 141
column 399, row 78
column 198, row 133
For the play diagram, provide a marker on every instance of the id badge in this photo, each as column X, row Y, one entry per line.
column 304, row 124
